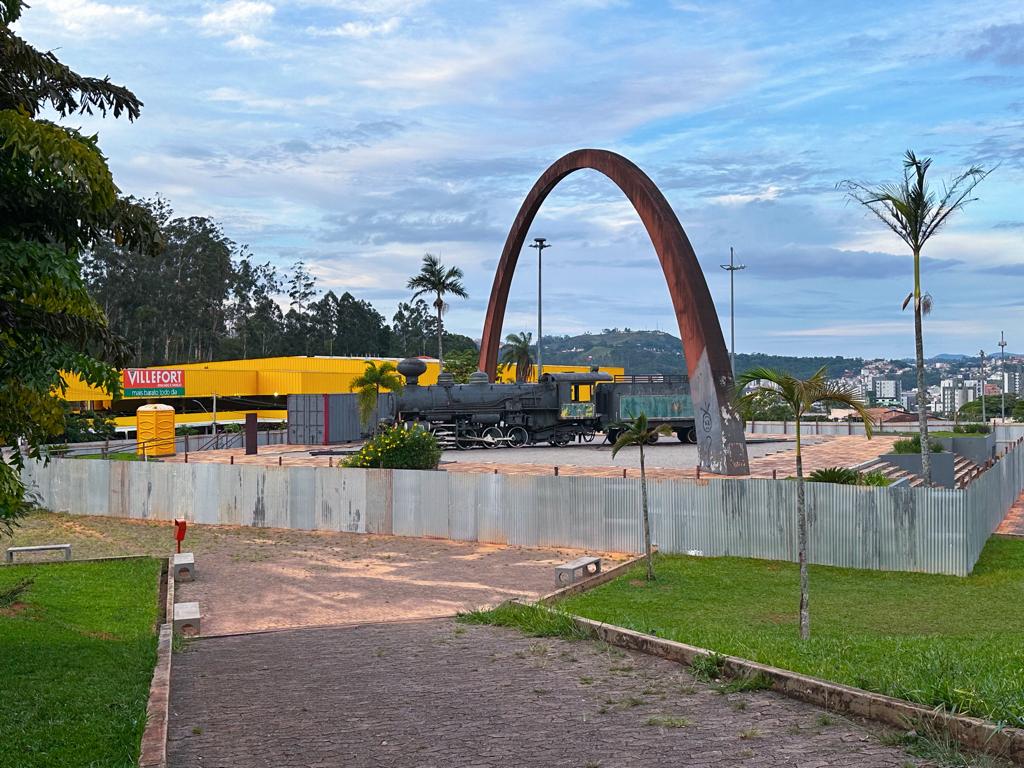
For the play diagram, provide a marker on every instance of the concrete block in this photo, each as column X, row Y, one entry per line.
column 187, row 617
column 184, row 565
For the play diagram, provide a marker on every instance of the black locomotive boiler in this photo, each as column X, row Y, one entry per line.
column 559, row 409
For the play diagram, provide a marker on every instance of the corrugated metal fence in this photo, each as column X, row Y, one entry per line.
column 910, row 529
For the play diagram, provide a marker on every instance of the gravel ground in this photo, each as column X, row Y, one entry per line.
column 668, row 453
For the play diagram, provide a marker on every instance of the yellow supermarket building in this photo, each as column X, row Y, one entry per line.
column 223, row 392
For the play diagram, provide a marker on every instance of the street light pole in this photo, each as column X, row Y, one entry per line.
column 732, row 268
column 1002, row 370
column 984, row 415
column 540, row 244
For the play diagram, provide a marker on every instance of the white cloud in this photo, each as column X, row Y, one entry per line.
column 259, row 102
column 238, row 20
column 357, row 29
column 771, row 192
column 85, row 17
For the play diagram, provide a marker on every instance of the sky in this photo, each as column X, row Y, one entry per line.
column 357, row 135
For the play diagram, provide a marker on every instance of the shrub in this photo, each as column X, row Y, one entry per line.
column 876, row 478
column 972, row 429
column 840, row 475
column 398, row 448
column 913, row 445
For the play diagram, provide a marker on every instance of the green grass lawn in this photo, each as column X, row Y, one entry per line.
column 937, row 640
column 76, row 660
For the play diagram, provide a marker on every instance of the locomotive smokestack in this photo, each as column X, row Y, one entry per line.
column 412, row 368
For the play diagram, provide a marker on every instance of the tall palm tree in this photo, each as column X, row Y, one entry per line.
column 800, row 395
column 914, row 212
column 369, row 384
column 517, row 353
column 638, row 432
column 435, row 278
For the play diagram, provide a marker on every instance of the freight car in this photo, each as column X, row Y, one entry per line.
column 559, row 409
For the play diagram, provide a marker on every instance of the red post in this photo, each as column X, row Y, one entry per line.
column 279, row 461
column 179, row 531
column 186, row 457
column 698, row 471
column 556, row 471
column 775, row 474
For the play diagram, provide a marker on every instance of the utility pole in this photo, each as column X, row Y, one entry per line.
column 1006, row 381
column 540, row 244
column 984, row 416
column 216, row 444
column 732, row 268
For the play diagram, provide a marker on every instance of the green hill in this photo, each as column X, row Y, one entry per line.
column 660, row 352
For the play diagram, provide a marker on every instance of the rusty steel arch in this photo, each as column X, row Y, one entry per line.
column 720, row 442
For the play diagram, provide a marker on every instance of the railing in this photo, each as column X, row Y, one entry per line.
column 182, row 444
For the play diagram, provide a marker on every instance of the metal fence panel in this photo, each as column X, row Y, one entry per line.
column 898, row 528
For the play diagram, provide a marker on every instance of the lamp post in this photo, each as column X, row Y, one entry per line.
column 732, row 268
column 984, row 415
column 1002, row 370
column 540, row 244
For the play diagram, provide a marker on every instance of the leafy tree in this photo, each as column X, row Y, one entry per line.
column 85, row 426
column 517, row 352
column 801, row 395
column 435, row 278
column 914, row 213
column 58, row 199
column 765, row 406
column 360, row 329
column 369, row 384
column 412, row 325
column 993, row 405
column 462, row 365
column 637, row 432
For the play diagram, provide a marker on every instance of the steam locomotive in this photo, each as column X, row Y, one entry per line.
column 559, row 409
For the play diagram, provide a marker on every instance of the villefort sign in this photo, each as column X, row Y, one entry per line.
column 146, row 382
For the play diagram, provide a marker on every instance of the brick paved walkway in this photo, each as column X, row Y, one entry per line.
column 435, row 693
column 1013, row 523
column 304, row 579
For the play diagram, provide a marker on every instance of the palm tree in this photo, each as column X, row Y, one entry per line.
column 370, row 382
column 517, row 353
column 638, row 432
column 800, row 395
column 914, row 212
column 435, row 278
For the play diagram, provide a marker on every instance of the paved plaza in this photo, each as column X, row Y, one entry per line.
column 437, row 693
column 666, row 460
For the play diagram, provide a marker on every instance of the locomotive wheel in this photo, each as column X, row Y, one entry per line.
column 465, row 444
column 588, row 435
column 560, row 440
column 518, row 437
column 492, row 438
column 612, row 435
column 653, row 438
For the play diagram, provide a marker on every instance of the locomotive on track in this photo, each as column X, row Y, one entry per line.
column 559, row 409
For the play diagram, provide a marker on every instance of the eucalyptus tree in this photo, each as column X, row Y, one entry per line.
column 434, row 278
column 639, row 433
column 517, row 352
column 915, row 212
column 800, row 395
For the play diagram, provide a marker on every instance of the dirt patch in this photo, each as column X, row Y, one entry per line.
column 14, row 609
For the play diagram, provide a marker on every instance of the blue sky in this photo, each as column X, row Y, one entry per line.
column 359, row 134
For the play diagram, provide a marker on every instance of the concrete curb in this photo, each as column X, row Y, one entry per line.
column 973, row 732
column 153, row 753
column 594, row 581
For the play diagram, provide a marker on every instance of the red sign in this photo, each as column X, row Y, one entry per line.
column 149, row 382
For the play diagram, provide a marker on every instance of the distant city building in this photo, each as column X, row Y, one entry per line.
column 1013, row 382
column 955, row 393
column 887, row 391
column 909, row 401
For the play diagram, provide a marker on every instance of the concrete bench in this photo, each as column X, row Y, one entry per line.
column 65, row 548
column 186, row 616
column 580, row 568
column 184, row 565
